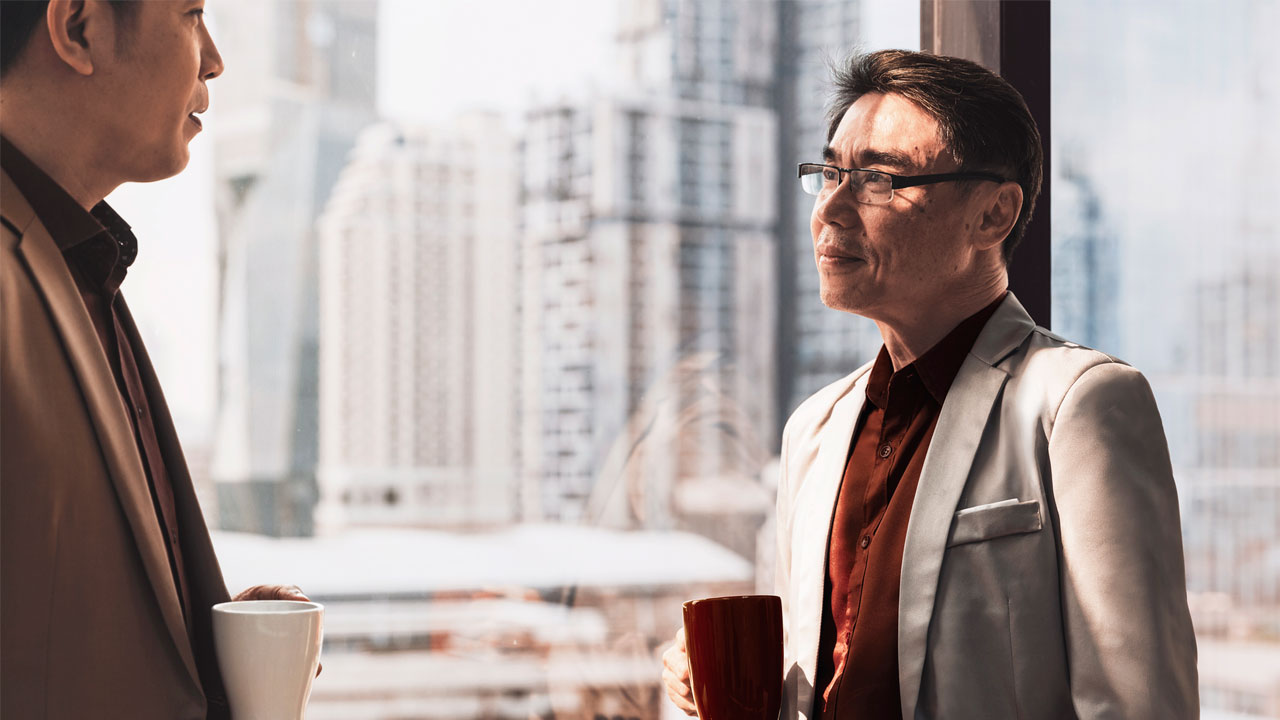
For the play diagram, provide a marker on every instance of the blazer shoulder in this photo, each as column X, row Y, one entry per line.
column 809, row 417
column 1049, row 366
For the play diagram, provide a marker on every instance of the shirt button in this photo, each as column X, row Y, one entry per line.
column 886, row 451
column 866, row 540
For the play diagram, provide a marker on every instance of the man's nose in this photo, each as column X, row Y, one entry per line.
column 210, row 59
column 836, row 207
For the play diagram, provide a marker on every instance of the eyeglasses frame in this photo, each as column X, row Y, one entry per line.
column 897, row 182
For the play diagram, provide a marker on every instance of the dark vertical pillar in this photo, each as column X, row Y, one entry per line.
column 786, row 337
column 1010, row 37
column 1024, row 62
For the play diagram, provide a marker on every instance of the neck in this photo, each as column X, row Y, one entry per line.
column 64, row 150
column 919, row 328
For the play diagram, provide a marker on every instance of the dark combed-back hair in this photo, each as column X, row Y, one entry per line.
column 19, row 18
column 984, row 121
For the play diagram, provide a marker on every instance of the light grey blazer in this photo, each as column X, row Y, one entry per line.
column 1043, row 574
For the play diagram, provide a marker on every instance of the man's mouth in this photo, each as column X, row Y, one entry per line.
column 834, row 256
column 193, row 116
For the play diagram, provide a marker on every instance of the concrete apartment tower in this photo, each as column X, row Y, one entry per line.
column 418, row 330
column 648, row 263
column 816, row 345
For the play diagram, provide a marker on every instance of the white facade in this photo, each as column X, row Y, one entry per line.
column 417, row 330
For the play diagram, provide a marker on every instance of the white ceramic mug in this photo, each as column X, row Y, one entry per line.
column 268, row 651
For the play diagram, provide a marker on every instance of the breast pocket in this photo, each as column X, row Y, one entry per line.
column 987, row 522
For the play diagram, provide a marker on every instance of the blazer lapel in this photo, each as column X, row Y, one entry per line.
column 942, row 480
column 815, row 506
column 106, row 409
column 204, row 575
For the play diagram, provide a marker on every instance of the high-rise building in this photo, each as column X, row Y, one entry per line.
column 418, row 331
column 649, row 269
column 283, row 131
column 1086, row 262
column 715, row 51
column 816, row 344
column 1224, row 421
column 641, row 261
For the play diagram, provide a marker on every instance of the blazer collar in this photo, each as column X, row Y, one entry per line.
column 1004, row 332
column 52, row 279
column 946, row 468
column 17, row 212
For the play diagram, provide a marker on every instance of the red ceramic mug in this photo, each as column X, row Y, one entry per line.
column 735, row 656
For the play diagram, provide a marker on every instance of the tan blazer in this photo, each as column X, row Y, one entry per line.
column 1043, row 573
column 90, row 621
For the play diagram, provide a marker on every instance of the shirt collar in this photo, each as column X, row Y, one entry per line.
column 68, row 224
column 939, row 366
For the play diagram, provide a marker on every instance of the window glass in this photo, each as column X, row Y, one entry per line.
column 1165, row 253
column 487, row 320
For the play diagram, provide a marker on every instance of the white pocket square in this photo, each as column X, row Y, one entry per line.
column 977, row 508
column 994, row 520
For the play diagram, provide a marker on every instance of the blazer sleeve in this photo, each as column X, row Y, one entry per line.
column 1130, row 643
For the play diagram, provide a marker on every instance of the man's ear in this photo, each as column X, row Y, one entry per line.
column 76, row 30
column 999, row 213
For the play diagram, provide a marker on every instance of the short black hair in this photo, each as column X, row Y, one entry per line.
column 19, row 18
column 984, row 121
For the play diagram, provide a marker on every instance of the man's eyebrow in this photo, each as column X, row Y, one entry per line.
column 885, row 157
column 873, row 157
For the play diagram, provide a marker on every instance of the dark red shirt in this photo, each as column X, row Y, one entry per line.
column 99, row 247
column 857, row 674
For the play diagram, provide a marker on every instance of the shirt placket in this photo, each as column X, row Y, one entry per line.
column 896, row 417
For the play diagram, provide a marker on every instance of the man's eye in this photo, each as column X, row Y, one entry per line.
column 830, row 175
column 875, row 177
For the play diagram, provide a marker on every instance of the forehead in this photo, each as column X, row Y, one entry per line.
column 886, row 124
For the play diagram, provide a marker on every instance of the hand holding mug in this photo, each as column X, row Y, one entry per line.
column 275, row 592
column 675, row 675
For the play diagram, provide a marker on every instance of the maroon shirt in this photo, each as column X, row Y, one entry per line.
column 99, row 247
column 857, row 674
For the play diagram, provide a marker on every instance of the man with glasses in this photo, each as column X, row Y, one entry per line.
column 982, row 522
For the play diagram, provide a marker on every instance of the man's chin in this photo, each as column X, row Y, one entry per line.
column 164, row 166
column 843, row 299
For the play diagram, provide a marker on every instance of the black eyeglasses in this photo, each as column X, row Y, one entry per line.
column 874, row 187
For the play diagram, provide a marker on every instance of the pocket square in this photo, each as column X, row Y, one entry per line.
column 993, row 520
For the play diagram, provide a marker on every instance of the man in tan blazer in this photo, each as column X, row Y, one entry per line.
column 982, row 522
column 107, row 571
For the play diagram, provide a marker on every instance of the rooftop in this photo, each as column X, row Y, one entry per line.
column 393, row 561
